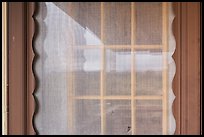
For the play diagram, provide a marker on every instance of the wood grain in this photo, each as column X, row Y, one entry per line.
column 177, row 57
column 30, row 102
column 190, row 70
column 17, row 69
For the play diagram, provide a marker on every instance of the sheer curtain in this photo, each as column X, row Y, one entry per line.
column 104, row 68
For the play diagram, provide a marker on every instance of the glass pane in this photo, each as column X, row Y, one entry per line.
column 118, row 117
column 149, row 67
column 81, row 20
column 118, row 72
column 117, row 23
column 88, row 15
column 148, row 23
column 87, row 71
column 87, row 117
column 149, row 117
column 91, row 79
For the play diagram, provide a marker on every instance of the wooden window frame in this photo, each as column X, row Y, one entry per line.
column 22, row 82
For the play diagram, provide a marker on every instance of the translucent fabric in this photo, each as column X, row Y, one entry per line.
column 104, row 68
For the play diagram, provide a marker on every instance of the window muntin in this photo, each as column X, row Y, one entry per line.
column 104, row 71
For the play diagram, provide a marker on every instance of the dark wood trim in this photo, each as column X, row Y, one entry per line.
column 30, row 7
column 186, row 83
column 201, row 97
column 16, row 69
column 20, row 78
column 21, row 82
column 177, row 58
column 190, row 68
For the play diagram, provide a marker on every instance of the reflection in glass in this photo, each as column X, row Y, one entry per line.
column 91, row 76
column 118, row 72
column 149, row 67
column 87, row 71
column 63, row 69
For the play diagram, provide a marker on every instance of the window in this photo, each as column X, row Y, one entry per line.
column 103, row 68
